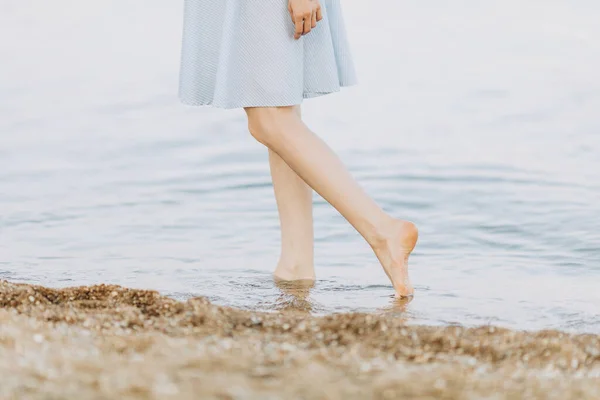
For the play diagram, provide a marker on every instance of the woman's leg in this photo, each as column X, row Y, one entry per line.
column 281, row 129
column 295, row 205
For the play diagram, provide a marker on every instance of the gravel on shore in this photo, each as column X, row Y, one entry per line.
column 110, row 342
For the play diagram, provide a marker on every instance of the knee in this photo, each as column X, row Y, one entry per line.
column 269, row 124
column 260, row 126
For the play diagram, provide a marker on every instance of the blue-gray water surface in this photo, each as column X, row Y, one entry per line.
column 477, row 120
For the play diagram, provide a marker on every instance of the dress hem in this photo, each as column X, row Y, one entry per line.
column 305, row 95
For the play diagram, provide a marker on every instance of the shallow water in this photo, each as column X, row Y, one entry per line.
column 477, row 121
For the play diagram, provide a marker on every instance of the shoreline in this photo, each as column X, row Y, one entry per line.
column 106, row 342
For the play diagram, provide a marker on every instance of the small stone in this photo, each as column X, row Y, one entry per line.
column 365, row 367
column 440, row 384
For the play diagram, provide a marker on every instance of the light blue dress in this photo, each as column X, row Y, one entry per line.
column 242, row 53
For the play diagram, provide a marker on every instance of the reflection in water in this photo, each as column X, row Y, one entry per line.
column 398, row 307
column 294, row 296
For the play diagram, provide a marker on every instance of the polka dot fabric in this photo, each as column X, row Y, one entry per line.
column 242, row 53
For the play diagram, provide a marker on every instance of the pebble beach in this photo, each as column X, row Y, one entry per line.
column 110, row 342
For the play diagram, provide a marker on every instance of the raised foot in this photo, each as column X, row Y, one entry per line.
column 393, row 250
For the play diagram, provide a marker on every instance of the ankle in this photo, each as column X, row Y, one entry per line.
column 296, row 267
column 389, row 230
column 380, row 232
column 294, row 271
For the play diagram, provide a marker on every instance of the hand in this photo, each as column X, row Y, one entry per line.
column 305, row 15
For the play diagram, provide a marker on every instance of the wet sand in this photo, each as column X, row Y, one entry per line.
column 110, row 342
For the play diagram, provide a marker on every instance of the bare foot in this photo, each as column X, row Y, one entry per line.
column 393, row 250
column 291, row 274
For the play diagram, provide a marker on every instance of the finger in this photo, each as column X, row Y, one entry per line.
column 314, row 19
column 319, row 14
column 307, row 24
column 299, row 28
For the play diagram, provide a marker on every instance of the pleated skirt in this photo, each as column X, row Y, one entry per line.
column 242, row 53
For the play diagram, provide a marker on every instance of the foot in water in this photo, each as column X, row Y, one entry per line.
column 393, row 250
column 286, row 273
